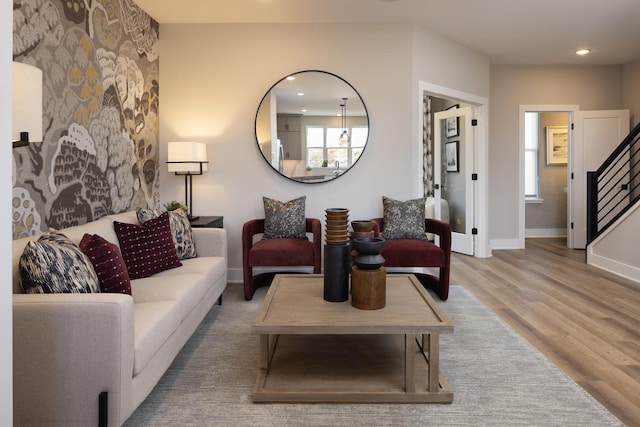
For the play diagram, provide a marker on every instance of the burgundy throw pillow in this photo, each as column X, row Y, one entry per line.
column 147, row 248
column 108, row 263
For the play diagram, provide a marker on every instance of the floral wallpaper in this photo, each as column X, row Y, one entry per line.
column 99, row 153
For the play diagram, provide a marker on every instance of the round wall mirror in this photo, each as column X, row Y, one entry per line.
column 312, row 126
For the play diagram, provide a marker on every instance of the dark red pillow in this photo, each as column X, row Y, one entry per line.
column 108, row 263
column 148, row 248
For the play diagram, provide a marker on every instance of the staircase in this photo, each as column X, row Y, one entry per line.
column 613, row 211
column 615, row 187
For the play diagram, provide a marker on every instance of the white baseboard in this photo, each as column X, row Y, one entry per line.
column 505, row 244
column 545, row 232
column 613, row 266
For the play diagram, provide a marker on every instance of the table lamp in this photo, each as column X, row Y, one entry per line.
column 187, row 158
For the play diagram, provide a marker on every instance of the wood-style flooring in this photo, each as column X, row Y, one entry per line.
column 585, row 320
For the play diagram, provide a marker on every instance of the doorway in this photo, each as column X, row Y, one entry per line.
column 544, row 211
column 593, row 136
column 478, row 159
column 545, row 173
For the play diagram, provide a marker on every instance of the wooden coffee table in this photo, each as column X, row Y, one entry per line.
column 312, row 350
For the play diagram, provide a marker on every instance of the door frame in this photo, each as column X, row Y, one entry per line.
column 571, row 110
column 480, row 106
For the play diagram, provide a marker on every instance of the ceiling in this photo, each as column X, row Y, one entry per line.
column 507, row 31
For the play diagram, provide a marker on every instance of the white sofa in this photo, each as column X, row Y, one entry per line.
column 70, row 348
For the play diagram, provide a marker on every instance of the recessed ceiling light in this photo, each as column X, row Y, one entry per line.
column 583, row 52
column 300, row 93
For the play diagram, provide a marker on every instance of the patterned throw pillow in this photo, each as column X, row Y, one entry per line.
column 148, row 248
column 180, row 229
column 403, row 220
column 108, row 263
column 284, row 220
column 54, row 264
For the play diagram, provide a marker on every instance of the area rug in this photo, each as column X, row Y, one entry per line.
column 498, row 379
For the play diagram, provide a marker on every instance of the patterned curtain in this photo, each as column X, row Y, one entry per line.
column 427, row 147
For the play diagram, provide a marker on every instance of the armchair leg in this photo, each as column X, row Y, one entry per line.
column 439, row 285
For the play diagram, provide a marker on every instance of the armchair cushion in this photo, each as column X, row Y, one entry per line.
column 411, row 253
column 283, row 252
column 284, row 219
column 403, row 220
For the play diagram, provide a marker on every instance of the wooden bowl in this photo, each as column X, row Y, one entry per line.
column 362, row 225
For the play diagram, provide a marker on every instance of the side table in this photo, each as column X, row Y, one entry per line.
column 208, row 222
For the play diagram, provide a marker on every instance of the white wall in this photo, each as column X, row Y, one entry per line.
column 615, row 250
column 631, row 90
column 443, row 62
column 6, row 316
column 212, row 78
column 590, row 87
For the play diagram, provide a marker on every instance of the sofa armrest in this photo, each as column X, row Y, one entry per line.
column 67, row 349
column 211, row 241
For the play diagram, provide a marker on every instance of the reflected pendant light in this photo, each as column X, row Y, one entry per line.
column 344, row 137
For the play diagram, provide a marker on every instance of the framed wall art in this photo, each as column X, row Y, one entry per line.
column 451, row 124
column 451, row 150
column 557, row 145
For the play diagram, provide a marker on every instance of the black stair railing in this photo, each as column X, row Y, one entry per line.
column 614, row 187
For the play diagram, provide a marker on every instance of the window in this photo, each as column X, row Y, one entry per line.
column 323, row 143
column 531, row 148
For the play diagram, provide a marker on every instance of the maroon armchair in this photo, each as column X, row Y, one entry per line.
column 421, row 253
column 281, row 252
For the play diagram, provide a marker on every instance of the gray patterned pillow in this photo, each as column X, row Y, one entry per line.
column 403, row 220
column 284, row 220
column 180, row 230
column 54, row 264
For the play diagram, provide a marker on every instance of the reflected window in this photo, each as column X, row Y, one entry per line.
column 325, row 144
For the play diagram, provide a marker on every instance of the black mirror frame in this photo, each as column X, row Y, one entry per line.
column 255, row 126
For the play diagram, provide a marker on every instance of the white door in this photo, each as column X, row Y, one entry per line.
column 453, row 155
column 596, row 134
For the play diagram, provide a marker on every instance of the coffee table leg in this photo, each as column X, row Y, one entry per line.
column 409, row 363
column 264, row 351
column 434, row 363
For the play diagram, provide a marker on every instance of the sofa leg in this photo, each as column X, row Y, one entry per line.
column 103, row 406
column 219, row 302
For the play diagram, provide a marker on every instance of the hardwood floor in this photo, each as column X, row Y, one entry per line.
column 585, row 320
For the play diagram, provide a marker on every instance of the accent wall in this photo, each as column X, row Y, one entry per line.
column 99, row 153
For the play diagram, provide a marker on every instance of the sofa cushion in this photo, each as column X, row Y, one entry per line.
column 180, row 230
column 154, row 323
column 147, row 248
column 108, row 263
column 54, row 264
column 403, row 220
column 284, row 219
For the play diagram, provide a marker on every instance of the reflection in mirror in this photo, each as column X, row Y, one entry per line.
column 312, row 126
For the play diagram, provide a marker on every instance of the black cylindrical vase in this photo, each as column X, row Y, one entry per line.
column 337, row 265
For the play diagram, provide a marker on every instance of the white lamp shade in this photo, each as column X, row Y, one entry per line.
column 189, row 155
column 27, row 101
